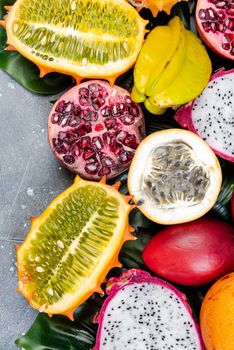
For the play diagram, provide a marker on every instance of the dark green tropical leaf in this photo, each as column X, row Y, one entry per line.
column 222, row 208
column 195, row 296
column 181, row 9
column 155, row 123
column 138, row 220
column 24, row 71
column 130, row 254
column 126, row 80
column 59, row 333
column 123, row 179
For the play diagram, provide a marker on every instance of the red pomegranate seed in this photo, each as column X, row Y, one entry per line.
column 93, row 128
column 98, row 127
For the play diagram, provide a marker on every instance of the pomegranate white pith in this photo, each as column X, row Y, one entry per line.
column 94, row 129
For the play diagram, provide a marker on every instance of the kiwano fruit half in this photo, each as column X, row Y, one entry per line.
column 72, row 246
column 82, row 38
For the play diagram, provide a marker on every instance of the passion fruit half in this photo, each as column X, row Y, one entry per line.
column 174, row 177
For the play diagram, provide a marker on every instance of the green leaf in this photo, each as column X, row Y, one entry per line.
column 181, row 9
column 138, row 219
column 222, row 208
column 25, row 72
column 59, row 333
column 131, row 253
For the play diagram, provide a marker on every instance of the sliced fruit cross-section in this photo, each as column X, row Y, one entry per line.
column 94, row 129
column 174, row 177
column 215, row 24
column 145, row 313
column 72, row 246
column 98, row 38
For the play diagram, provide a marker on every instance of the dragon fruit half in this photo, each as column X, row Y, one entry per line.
column 145, row 313
column 211, row 115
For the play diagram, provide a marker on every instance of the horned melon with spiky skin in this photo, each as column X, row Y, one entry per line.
column 82, row 38
column 72, row 246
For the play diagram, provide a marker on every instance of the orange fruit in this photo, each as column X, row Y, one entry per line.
column 217, row 315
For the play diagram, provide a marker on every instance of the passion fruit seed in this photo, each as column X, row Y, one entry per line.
column 174, row 175
column 69, row 244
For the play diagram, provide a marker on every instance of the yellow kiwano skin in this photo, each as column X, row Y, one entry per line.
column 82, row 38
column 72, row 246
column 157, row 6
column 191, row 79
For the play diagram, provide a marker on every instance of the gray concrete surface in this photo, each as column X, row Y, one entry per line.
column 30, row 178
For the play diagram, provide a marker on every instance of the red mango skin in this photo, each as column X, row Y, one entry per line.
column 193, row 254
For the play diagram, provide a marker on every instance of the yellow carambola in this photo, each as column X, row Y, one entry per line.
column 192, row 78
column 173, row 68
column 159, row 49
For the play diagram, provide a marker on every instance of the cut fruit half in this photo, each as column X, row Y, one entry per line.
column 174, row 177
column 72, row 246
column 143, row 312
column 98, row 38
column 215, row 24
column 210, row 115
column 94, row 129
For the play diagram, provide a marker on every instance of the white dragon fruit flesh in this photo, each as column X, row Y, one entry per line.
column 211, row 115
column 145, row 313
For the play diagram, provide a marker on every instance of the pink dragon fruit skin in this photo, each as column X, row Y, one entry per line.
column 137, row 277
column 184, row 117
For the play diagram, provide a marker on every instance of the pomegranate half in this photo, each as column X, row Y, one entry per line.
column 94, row 129
column 215, row 23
